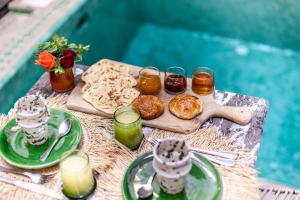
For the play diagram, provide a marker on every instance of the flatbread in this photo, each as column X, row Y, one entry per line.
column 99, row 69
column 109, row 86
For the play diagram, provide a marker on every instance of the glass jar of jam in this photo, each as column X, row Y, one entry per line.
column 175, row 80
column 149, row 81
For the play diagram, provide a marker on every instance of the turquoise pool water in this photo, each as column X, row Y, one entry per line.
column 241, row 67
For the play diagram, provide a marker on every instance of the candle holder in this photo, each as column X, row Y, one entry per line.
column 77, row 175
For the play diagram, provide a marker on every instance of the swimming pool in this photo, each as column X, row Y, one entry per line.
column 236, row 39
column 247, row 68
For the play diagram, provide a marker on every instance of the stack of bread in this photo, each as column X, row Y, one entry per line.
column 109, row 86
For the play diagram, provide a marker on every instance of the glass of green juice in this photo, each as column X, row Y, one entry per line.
column 128, row 127
column 77, row 175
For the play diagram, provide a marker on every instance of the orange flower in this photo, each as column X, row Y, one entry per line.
column 46, row 60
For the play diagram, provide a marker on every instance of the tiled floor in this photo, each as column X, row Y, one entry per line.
column 271, row 191
column 20, row 32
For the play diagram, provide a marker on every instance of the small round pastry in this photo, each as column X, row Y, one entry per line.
column 149, row 106
column 185, row 106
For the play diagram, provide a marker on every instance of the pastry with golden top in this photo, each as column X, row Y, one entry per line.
column 149, row 106
column 185, row 106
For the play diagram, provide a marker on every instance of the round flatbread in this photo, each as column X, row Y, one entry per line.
column 100, row 70
column 109, row 86
column 185, row 106
column 149, row 106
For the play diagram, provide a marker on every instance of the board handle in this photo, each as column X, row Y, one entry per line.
column 240, row 115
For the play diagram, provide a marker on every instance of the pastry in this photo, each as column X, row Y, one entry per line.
column 108, row 86
column 185, row 106
column 149, row 106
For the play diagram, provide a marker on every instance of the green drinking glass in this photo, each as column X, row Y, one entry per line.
column 77, row 175
column 128, row 127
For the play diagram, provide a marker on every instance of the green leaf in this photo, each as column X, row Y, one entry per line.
column 59, row 71
column 79, row 57
column 46, row 45
column 52, row 49
column 56, row 47
column 86, row 48
column 72, row 46
column 57, row 68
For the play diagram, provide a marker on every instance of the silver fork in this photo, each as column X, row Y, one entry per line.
column 224, row 154
column 35, row 177
column 220, row 161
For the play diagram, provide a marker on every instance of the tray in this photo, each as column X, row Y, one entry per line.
column 167, row 121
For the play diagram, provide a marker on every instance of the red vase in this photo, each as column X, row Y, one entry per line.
column 62, row 82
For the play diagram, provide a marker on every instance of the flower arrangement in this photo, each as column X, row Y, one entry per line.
column 57, row 55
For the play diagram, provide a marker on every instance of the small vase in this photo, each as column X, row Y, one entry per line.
column 63, row 82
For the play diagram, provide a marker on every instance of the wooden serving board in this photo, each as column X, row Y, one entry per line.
column 167, row 121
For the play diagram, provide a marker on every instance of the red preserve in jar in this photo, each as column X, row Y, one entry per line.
column 175, row 80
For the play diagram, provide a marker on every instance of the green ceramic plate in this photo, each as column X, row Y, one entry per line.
column 15, row 150
column 203, row 182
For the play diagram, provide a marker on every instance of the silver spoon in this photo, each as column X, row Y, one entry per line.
column 146, row 190
column 63, row 130
column 15, row 128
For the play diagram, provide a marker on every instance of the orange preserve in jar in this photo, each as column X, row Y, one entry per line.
column 149, row 81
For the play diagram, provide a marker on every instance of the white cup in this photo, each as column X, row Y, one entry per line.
column 36, row 135
column 32, row 116
column 172, row 163
column 30, row 107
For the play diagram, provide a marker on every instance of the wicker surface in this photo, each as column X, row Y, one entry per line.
column 111, row 160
